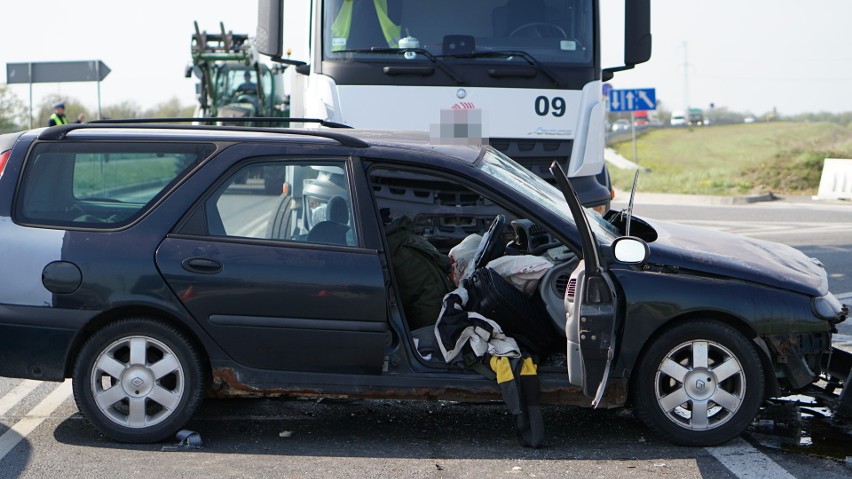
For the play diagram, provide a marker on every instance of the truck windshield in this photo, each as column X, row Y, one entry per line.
column 551, row 31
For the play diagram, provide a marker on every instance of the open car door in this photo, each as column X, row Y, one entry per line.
column 592, row 320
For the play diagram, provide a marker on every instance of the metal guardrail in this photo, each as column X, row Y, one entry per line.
column 613, row 137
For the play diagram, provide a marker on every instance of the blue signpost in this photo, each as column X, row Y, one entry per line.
column 632, row 100
column 636, row 99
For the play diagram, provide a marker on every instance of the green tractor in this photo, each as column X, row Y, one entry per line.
column 232, row 82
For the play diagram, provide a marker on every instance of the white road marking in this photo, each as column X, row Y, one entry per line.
column 14, row 396
column 257, row 227
column 769, row 228
column 844, row 296
column 34, row 418
column 746, row 462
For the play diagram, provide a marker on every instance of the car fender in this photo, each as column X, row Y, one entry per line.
column 655, row 301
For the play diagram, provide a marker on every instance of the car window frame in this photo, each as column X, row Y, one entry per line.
column 188, row 225
column 151, row 205
column 475, row 183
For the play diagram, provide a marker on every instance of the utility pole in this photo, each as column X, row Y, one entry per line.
column 685, row 83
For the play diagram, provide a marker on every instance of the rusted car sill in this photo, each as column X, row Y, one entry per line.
column 227, row 384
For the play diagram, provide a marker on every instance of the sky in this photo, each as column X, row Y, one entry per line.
column 752, row 56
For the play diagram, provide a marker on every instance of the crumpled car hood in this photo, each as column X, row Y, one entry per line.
column 740, row 257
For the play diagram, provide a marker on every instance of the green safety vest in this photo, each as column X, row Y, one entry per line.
column 343, row 22
column 59, row 120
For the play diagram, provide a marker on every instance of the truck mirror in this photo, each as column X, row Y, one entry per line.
column 637, row 31
column 270, row 28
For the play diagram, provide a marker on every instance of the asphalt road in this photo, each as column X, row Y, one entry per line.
column 43, row 435
column 386, row 439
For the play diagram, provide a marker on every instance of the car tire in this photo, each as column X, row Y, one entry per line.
column 281, row 223
column 138, row 380
column 699, row 384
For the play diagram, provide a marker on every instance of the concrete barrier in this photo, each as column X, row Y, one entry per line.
column 836, row 180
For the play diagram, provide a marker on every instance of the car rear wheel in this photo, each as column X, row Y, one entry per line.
column 138, row 380
column 699, row 384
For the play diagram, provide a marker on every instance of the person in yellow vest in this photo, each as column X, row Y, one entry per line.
column 58, row 116
column 342, row 25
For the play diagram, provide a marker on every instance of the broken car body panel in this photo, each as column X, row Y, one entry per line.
column 729, row 255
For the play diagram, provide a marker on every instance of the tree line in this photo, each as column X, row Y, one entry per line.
column 14, row 112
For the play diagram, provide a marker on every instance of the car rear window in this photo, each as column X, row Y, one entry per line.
column 101, row 185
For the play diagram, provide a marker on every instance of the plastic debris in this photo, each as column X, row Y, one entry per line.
column 186, row 440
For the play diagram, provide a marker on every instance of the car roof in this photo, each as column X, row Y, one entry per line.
column 459, row 149
column 7, row 140
column 463, row 150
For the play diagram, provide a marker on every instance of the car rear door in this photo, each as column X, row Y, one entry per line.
column 594, row 310
column 271, row 291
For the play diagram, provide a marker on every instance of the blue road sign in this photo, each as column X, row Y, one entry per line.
column 633, row 100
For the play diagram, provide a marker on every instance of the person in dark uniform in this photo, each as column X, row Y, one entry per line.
column 58, row 116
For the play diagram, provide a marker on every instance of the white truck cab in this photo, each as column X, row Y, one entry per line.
column 522, row 76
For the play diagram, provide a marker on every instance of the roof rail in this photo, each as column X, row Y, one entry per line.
column 59, row 132
column 214, row 120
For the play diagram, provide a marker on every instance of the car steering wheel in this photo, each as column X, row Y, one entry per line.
column 541, row 30
column 489, row 247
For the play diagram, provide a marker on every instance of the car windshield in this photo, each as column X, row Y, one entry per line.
column 516, row 178
column 551, row 31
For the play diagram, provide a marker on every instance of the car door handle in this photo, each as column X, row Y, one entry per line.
column 201, row 265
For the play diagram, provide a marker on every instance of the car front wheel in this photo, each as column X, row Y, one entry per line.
column 699, row 384
column 138, row 380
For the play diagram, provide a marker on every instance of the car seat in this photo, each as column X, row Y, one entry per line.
column 334, row 228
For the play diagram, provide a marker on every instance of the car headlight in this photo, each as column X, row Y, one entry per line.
column 829, row 307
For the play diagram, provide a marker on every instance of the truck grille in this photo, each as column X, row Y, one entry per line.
column 535, row 155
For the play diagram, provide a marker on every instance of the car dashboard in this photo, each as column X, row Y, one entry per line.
column 531, row 239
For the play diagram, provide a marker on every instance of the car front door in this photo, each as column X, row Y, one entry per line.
column 592, row 319
column 281, row 281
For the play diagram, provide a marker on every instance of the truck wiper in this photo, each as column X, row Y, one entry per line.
column 432, row 58
column 508, row 54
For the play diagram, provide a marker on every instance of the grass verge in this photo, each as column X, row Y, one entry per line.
column 780, row 157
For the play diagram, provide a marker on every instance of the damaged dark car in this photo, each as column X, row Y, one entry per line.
column 154, row 265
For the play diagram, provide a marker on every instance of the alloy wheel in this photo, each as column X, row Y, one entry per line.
column 137, row 382
column 700, row 385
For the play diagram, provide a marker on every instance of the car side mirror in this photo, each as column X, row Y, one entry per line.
column 630, row 250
